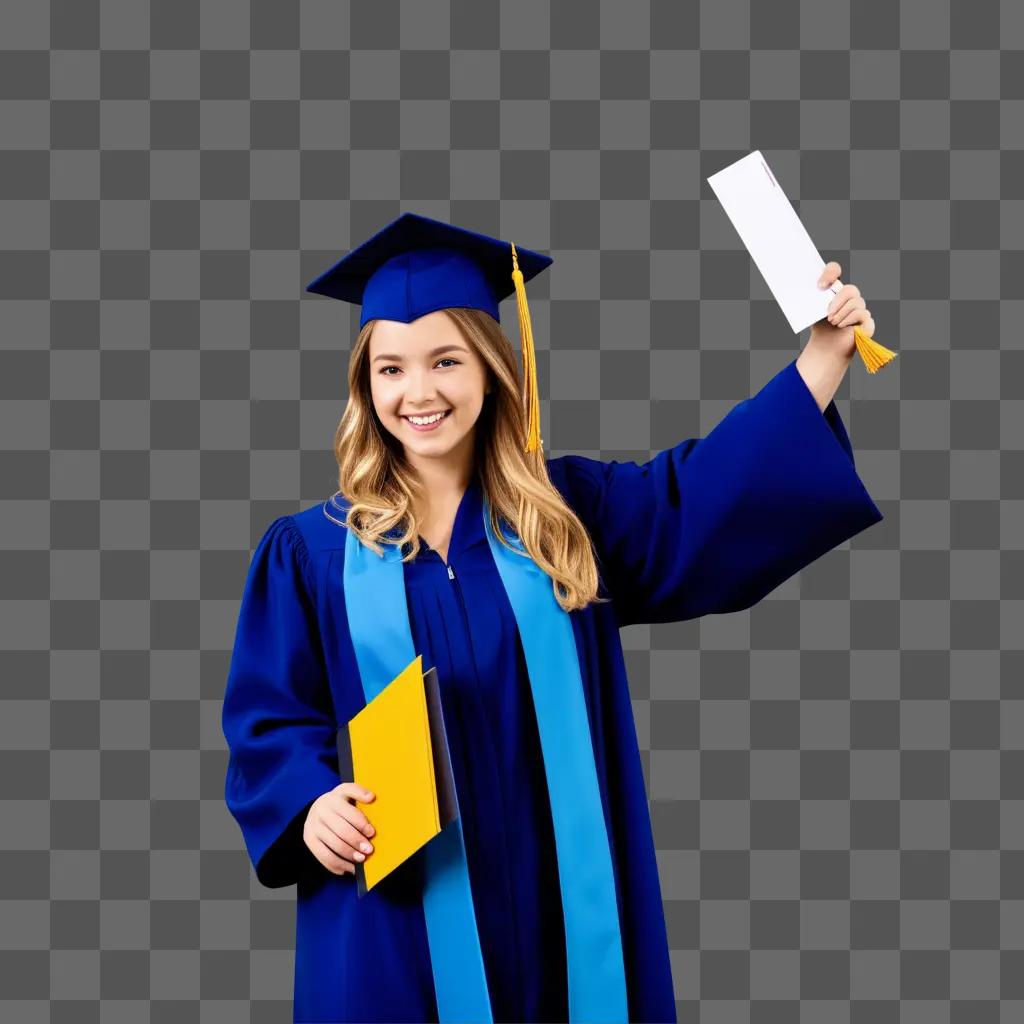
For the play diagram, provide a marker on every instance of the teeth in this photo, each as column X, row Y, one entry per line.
column 422, row 421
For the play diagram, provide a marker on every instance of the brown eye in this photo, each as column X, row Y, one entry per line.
column 446, row 359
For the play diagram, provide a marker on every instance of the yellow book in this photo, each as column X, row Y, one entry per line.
column 398, row 749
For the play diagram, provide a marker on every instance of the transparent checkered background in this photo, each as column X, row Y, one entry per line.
column 835, row 775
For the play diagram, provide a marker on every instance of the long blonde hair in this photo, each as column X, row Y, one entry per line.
column 383, row 489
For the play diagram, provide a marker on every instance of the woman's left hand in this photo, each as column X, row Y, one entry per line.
column 835, row 329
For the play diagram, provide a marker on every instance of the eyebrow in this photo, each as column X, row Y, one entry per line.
column 431, row 353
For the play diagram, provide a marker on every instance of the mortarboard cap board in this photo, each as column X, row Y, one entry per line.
column 416, row 265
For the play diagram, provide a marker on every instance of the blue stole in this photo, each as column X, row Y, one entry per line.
column 384, row 647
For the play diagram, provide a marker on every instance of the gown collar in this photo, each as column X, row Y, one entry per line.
column 468, row 528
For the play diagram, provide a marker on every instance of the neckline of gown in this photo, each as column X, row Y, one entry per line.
column 467, row 528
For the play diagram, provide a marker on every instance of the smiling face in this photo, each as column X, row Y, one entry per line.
column 421, row 368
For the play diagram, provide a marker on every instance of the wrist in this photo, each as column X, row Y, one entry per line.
column 823, row 365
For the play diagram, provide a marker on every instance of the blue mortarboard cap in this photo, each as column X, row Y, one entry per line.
column 416, row 264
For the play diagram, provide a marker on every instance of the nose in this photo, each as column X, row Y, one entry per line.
column 421, row 390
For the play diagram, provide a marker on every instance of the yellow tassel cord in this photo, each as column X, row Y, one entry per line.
column 875, row 356
column 533, row 438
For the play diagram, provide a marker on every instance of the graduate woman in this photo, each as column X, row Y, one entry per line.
column 451, row 536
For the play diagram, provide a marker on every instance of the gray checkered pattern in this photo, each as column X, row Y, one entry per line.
column 835, row 775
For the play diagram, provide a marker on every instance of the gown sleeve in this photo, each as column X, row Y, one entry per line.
column 277, row 715
column 714, row 524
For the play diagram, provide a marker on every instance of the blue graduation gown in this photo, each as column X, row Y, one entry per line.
column 710, row 525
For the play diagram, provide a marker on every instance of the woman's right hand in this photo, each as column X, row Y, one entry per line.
column 335, row 829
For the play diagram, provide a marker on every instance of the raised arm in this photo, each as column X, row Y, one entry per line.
column 714, row 524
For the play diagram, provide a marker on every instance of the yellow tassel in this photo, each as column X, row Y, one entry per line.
column 533, row 438
column 875, row 356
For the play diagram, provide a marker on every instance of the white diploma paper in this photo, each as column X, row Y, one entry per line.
column 777, row 240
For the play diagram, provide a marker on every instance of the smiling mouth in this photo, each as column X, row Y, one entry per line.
column 446, row 413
